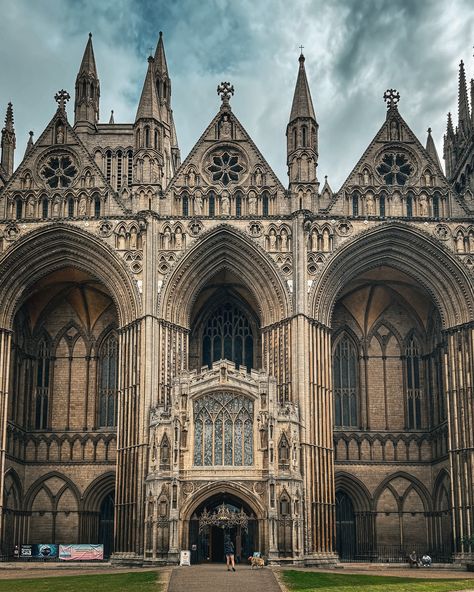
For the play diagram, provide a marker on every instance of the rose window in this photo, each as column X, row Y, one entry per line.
column 225, row 168
column 395, row 169
column 59, row 171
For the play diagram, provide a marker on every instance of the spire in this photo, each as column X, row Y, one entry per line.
column 162, row 79
column 148, row 108
column 431, row 148
column 111, row 120
column 8, row 142
column 472, row 102
column 450, row 129
column 86, row 104
column 161, row 67
column 302, row 104
column 464, row 119
column 88, row 60
column 29, row 145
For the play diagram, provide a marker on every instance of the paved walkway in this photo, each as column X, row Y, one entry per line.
column 215, row 578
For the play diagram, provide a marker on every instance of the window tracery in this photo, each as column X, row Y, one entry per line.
column 413, row 385
column 345, row 383
column 42, row 385
column 223, row 430
column 108, row 370
column 59, row 171
column 395, row 168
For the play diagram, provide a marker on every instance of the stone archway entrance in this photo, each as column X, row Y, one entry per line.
column 210, row 522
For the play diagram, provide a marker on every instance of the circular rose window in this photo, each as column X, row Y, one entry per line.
column 59, row 171
column 226, row 167
column 395, row 168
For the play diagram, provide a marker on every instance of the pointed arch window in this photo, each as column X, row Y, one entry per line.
column 70, row 207
column 18, row 208
column 212, row 205
column 382, row 205
column 96, row 205
column 410, row 205
column 119, row 169
column 129, row 167
column 108, row 381
column 223, row 430
column 108, row 165
column 265, row 202
column 436, row 205
column 355, row 204
column 413, row 376
column 238, row 205
column 185, row 205
column 44, row 207
column 228, row 335
column 304, row 134
column 156, row 139
column 42, row 385
column 345, row 383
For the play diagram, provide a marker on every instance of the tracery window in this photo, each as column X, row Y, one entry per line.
column 238, row 205
column 119, row 169
column 223, row 430
column 436, row 205
column 185, row 205
column 228, row 335
column 108, row 165
column 225, row 167
column 355, row 204
column 108, row 378
column 70, row 207
column 18, row 208
column 129, row 167
column 45, row 207
column 42, row 386
column 345, row 383
column 394, row 169
column 409, row 205
column 265, row 204
column 96, row 206
column 412, row 361
column 382, row 205
column 59, row 171
column 212, row 205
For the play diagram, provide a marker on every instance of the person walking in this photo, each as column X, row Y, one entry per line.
column 229, row 552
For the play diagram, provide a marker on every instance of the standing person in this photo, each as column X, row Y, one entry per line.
column 229, row 552
column 413, row 559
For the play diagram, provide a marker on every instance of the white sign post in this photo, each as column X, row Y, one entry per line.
column 185, row 558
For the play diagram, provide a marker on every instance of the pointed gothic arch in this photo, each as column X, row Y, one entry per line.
column 224, row 248
column 408, row 250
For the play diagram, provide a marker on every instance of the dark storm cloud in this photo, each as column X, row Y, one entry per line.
column 354, row 49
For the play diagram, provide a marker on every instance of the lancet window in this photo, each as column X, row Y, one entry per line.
column 42, row 385
column 223, row 430
column 228, row 335
column 412, row 361
column 108, row 378
column 345, row 383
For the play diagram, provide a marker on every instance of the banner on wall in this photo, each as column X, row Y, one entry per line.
column 81, row 552
column 43, row 551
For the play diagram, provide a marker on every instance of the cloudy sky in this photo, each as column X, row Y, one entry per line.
column 355, row 50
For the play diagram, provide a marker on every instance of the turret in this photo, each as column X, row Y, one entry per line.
column 431, row 149
column 302, row 143
column 464, row 121
column 86, row 105
column 8, row 142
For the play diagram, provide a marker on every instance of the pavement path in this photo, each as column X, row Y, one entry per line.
column 215, row 578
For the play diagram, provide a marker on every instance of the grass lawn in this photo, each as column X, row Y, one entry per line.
column 123, row 582
column 300, row 581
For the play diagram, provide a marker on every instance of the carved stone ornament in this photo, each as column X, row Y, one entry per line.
column 195, row 227
column 105, row 229
column 344, row 228
column 442, row 232
column 12, row 232
column 255, row 229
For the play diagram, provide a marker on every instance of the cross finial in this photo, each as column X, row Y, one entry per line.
column 226, row 90
column 150, row 51
column 61, row 98
column 301, row 49
column 391, row 97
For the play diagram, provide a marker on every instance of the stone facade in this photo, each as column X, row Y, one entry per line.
column 179, row 338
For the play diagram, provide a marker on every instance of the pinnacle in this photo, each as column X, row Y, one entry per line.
column 302, row 103
column 88, row 61
column 431, row 148
column 148, row 108
column 160, row 59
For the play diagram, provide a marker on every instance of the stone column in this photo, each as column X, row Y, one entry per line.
column 5, row 350
column 459, row 372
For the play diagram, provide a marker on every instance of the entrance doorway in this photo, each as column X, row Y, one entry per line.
column 207, row 543
column 345, row 526
column 106, row 524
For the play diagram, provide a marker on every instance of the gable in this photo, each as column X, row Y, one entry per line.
column 58, row 164
column 395, row 163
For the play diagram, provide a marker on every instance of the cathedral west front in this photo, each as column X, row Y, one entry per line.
column 189, row 348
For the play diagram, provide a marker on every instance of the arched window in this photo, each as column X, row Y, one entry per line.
column 295, row 138
column 108, row 377
column 436, row 205
column 44, row 207
column 138, row 139
column 18, row 208
column 410, row 205
column 119, row 169
column 382, row 205
column 156, row 140
column 345, row 526
column 84, row 89
column 228, row 335
column 108, row 165
column 96, row 206
column 303, row 136
column 223, row 430
column 238, row 205
column 185, row 205
column 42, row 386
column 147, row 137
column 345, row 383
column 265, row 204
column 129, row 167
column 355, row 204
column 212, row 205
column 413, row 362
column 285, row 509
column 70, row 207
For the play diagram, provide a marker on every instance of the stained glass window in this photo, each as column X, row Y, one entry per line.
column 413, row 385
column 42, row 386
column 395, row 169
column 228, row 335
column 108, row 368
column 59, row 171
column 345, row 384
column 223, row 430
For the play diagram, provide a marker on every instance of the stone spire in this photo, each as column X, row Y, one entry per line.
column 29, row 145
column 86, row 105
column 8, row 142
column 111, row 120
column 162, row 79
column 148, row 107
column 302, row 142
column 464, row 118
column 472, row 103
column 431, row 148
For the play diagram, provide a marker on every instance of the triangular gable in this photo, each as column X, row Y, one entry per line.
column 226, row 129
column 394, row 137
column 59, row 134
